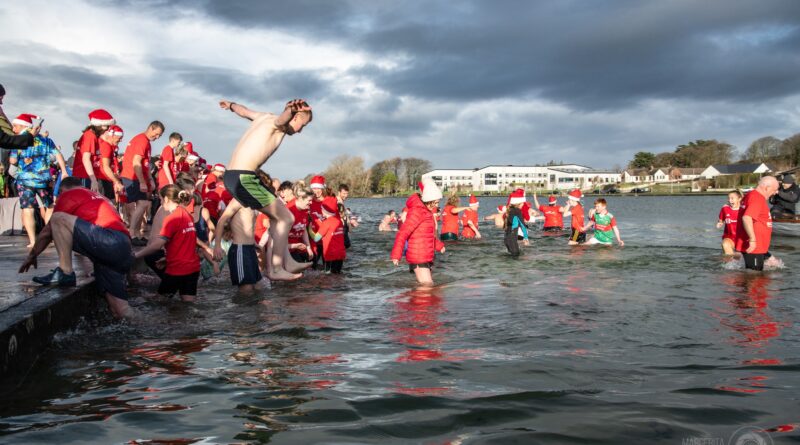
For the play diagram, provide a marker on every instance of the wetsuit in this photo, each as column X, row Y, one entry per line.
column 513, row 224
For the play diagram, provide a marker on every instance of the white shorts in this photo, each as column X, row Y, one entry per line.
column 592, row 241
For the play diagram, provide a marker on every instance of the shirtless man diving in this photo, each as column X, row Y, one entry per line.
column 257, row 145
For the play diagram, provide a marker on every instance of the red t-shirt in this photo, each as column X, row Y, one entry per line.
column 755, row 206
column 167, row 162
column 526, row 211
column 552, row 216
column 139, row 145
column 332, row 231
column 577, row 217
column 106, row 151
column 178, row 230
column 315, row 209
column 730, row 219
column 260, row 229
column 88, row 143
column 91, row 207
column 299, row 226
column 469, row 215
column 449, row 220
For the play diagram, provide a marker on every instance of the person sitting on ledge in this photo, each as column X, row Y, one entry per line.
column 86, row 222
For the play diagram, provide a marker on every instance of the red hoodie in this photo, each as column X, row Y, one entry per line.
column 420, row 232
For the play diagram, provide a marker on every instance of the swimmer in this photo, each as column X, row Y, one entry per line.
column 729, row 218
column 389, row 218
column 469, row 220
column 498, row 218
column 605, row 225
column 553, row 218
column 256, row 146
column 450, row 218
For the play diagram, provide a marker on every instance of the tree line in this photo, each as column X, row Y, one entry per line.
column 386, row 177
column 778, row 154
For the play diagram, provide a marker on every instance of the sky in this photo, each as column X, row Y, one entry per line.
column 462, row 84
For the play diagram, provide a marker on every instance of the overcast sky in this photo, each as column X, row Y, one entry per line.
column 462, row 84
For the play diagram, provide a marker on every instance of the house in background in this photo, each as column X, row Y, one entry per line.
column 712, row 171
column 637, row 175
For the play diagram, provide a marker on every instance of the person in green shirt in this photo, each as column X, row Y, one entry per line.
column 605, row 225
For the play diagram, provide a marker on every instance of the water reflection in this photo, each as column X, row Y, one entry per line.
column 746, row 313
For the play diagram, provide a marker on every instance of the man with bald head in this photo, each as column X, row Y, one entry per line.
column 754, row 233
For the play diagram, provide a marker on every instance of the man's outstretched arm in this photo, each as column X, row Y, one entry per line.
column 239, row 109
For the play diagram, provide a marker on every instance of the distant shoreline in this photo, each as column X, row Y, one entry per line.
column 593, row 195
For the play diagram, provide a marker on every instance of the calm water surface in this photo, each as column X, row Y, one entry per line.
column 657, row 342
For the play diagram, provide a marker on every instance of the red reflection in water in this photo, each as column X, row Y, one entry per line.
column 748, row 316
column 170, row 358
column 417, row 324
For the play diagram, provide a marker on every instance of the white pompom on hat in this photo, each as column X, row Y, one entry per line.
column 100, row 117
column 430, row 191
column 25, row 120
column 516, row 197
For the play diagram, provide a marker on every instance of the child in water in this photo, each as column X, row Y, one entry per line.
column 331, row 234
column 575, row 209
column 469, row 220
column 514, row 222
column 419, row 230
column 498, row 218
column 389, row 218
column 450, row 219
column 605, row 225
column 729, row 218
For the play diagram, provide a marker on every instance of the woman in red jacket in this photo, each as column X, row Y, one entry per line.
column 419, row 229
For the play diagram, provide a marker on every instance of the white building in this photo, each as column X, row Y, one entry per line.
column 495, row 178
column 713, row 171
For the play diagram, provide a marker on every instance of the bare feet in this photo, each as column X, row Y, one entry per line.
column 293, row 266
column 282, row 275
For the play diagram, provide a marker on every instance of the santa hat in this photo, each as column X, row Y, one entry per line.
column 473, row 201
column 330, row 204
column 189, row 147
column 516, row 197
column 552, row 199
column 115, row 130
column 192, row 157
column 317, row 182
column 219, row 168
column 101, row 117
column 501, row 209
column 430, row 191
column 25, row 120
column 575, row 195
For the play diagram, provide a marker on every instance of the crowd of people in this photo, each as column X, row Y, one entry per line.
column 190, row 218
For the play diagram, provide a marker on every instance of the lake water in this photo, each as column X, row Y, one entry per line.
column 656, row 342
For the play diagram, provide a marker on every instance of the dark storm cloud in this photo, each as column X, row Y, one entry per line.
column 41, row 81
column 229, row 83
column 590, row 55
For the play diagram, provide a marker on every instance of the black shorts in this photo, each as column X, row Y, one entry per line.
column 247, row 189
column 132, row 191
column 578, row 236
column 413, row 267
column 449, row 236
column 243, row 262
column 754, row 261
column 110, row 252
column 299, row 256
column 107, row 189
column 182, row 284
column 334, row 266
column 552, row 229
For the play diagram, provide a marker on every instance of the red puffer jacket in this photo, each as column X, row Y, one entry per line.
column 420, row 231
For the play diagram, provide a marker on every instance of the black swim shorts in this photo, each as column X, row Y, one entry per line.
column 243, row 262
column 182, row 284
column 110, row 252
column 412, row 267
column 247, row 189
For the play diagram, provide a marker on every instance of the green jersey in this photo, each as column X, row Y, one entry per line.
column 604, row 227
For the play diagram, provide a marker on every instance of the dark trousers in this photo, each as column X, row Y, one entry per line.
column 754, row 261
